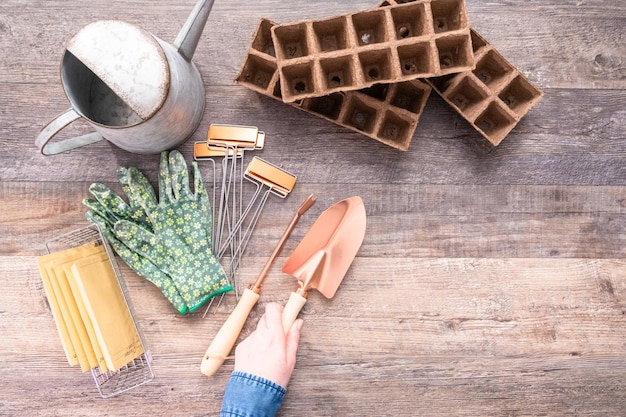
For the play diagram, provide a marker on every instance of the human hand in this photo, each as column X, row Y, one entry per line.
column 268, row 352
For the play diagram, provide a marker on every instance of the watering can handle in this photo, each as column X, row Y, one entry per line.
column 54, row 127
column 292, row 309
column 189, row 35
column 226, row 337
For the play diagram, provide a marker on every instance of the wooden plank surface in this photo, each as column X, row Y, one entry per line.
column 491, row 282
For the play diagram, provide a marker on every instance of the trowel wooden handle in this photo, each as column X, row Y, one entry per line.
column 226, row 337
column 291, row 310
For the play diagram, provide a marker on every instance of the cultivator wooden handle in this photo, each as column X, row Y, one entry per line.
column 226, row 337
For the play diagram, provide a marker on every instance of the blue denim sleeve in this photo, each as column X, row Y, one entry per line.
column 251, row 396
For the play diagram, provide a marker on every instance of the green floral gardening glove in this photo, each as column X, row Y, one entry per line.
column 108, row 208
column 180, row 242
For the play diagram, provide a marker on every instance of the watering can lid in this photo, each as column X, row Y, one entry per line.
column 128, row 60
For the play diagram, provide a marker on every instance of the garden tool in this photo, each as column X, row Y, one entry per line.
column 232, row 139
column 278, row 182
column 263, row 174
column 225, row 338
column 140, row 93
column 203, row 152
column 322, row 258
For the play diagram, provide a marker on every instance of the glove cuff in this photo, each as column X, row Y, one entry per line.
column 207, row 297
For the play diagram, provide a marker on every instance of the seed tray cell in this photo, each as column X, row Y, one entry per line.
column 331, row 34
column 448, row 15
column 393, row 43
column 454, row 52
column 376, row 65
column 468, row 96
column 337, row 73
column 477, row 42
column 360, row 114
column 520, row 95
column 416, row 58
column 493, row 71
column 370, row 27
column 258, row 71
column 299, row 79
column 294, row 41
column 378, row 91
column 388, row 113
column 262, row 42
column 394, row 127
column 409, row 95
column 329, row 107
column 410, row 21
column 493, row 97
column 495, row 122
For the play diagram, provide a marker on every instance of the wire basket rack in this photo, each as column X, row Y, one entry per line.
column 139, row 370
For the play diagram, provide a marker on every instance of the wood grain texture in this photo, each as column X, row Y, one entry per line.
column 491, row 282
column 525, row 335
column 445, row 220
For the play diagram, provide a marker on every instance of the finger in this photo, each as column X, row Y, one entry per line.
column 102, row 222
column 140, row 191
column 165, row 185
column 138, row 239
column 109, row 201
column 293, row 339
column 179, row 175
column 273, row 311
column 124, row 179
column 202, row 199
column 96, row 207
column 262, row 324
column 198, row 185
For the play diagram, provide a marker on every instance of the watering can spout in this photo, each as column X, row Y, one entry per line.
column 189, row 36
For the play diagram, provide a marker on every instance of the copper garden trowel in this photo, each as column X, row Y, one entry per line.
column 322, row 258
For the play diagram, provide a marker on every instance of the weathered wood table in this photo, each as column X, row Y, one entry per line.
column 491, row 282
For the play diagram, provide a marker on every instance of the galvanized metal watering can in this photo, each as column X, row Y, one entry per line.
column 140, row 93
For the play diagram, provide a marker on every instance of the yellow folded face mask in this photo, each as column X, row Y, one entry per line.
column 83, row 316
column 91, row 314
column 106, row 306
